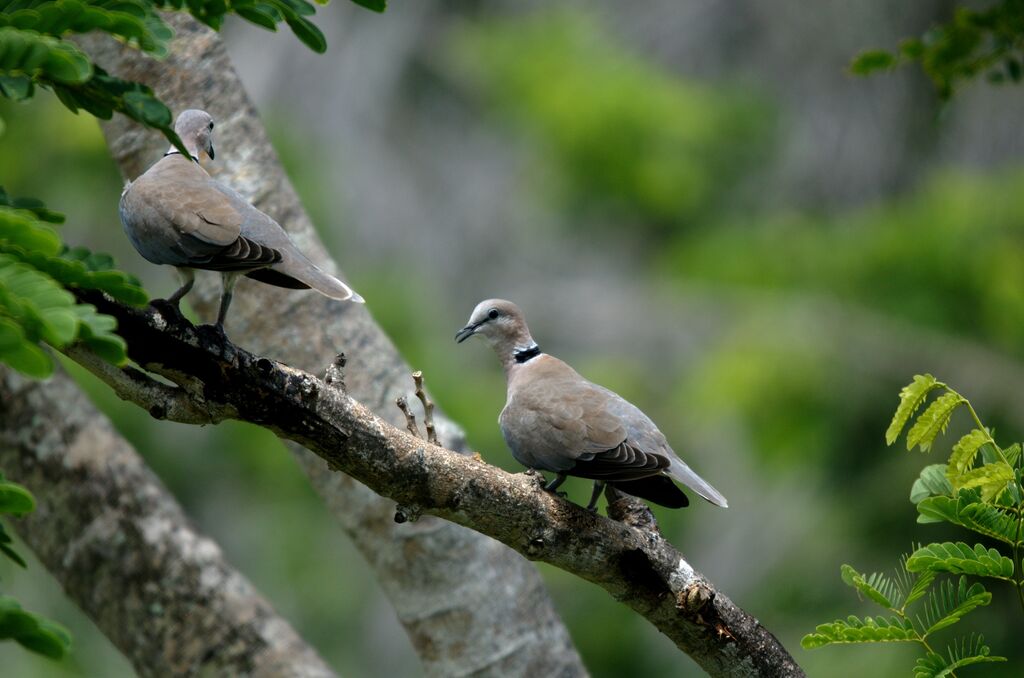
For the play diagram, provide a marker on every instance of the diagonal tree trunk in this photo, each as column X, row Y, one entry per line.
column 468, row 603
column 124, row 551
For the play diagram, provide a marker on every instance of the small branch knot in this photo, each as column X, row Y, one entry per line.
column 334, row 375
column 407, row 514
column 693, row 599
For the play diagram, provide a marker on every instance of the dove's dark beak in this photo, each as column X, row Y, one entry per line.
column 465, row 333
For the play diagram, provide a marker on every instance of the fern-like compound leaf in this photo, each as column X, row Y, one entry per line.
column 962, row 652
column 964, row 453
column 876, row 586
column 967, row 510
column 856, row 630
column 933, row 421
column 931, row 483
column 911, row 397
column 32, row 54
column 990, row 479
column 959, row 558
column 949, row 602
column 20, row 228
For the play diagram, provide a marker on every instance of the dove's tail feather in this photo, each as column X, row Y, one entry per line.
column 659, row 489
column 305, row 275
column 686, row 476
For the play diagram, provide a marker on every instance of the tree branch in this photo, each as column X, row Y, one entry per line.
column 636, row 566
column 469, row 604
column 123, row 549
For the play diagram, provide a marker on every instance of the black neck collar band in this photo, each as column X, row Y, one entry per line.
column 173, row 151
column 525, row 354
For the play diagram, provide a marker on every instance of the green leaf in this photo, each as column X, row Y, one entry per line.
column 32, row 631
column 15, row 499
column 991, row 479
column 308, row 33
column 948, row 603
column 855, row 630
column 964, row 452
column 30, row 53
column 967, row 510
column 1012, row 453
column 36, row 302
column 876, row 587
column 911, row 397
column 920, row 586
column 375, row 5
column 868, row 62
column 133, row 21
column 5, row 544
column 87, row 270
column 97, row 332
column 12, row 555
column 17, row 87
column 959, row 558
column 19, row 228
column 259, row 16
column 933, row 421
column 21, row 353
column 147, row 109
column 931, row 483
column 966, row 651
column 36, row 207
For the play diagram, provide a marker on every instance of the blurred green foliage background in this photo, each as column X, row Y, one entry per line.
column 706, row 215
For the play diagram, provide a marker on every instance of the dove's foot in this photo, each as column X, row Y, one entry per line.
column 553, row 486
column 595, row 495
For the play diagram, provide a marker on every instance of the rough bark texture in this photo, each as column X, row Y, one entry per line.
column 628, row 559
column 469, row 604
column 124, row 551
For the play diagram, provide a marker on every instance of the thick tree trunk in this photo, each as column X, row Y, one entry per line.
column 468, row 603
column 124, row 551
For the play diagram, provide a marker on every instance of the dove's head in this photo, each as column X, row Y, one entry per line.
column 195, row 128
column 502, row 324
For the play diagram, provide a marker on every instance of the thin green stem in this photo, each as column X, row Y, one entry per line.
column 981, row 427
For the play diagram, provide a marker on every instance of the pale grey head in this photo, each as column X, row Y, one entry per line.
column 502, row 324
column 195, row 127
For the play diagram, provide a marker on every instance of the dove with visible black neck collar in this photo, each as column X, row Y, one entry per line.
column 555, row 420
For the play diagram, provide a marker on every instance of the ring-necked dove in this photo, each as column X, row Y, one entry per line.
column 176, row 214
column 555, row 420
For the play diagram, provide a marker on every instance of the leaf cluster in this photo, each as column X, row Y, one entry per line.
column 35, row 49
column 32, row 631
column 975, row 41
column 980, row 489
column 36, row 270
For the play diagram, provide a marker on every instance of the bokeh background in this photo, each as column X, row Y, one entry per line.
column 696, row 206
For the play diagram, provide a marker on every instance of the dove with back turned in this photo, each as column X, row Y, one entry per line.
column 555, row 420
column 176, row 214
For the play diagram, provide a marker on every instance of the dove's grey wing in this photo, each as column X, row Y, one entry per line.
column 642, row 432
column 293, row 270
column 174, row 215
column 558, row 421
